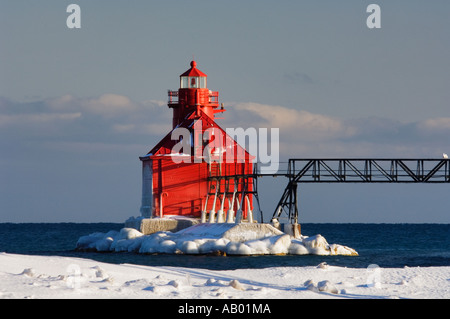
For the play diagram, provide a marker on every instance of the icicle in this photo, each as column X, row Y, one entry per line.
column 212, row 216
column 239, row 211
column 220, row 214
column 161, row 210
column 212, row 213
column 230, row 212
column 203, row 218
column 249, row 211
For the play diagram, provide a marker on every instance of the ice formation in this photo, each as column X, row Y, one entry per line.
column 209, row 239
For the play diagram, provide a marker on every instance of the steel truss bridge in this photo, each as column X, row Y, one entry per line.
column 340, row 170
column 356, row 171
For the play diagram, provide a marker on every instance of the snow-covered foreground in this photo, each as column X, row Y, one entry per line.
column 24, row 276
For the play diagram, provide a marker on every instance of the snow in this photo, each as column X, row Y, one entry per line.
column 231, row 239
column 24, row 276
column 55, row 277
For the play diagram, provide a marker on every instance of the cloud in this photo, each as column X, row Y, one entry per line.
column 112, row 119
column 109, row 105
column 109, row 119
column 106, row 105
column 303, row 124
column 435, row 125
column 306, row 134
column 33, row 119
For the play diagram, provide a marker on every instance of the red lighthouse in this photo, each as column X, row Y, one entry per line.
column 197, row 170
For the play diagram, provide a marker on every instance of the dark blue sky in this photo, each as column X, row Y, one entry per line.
column 78, row 106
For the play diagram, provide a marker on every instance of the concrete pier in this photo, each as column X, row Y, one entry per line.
column 152, row 225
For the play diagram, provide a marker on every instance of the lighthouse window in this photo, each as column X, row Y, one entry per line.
column 202, row 82
column 193, row 82
column 184, row 82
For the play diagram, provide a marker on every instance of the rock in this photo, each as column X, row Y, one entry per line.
column 323, row 265
column 326, row 286
column 236, row 285
column 28, row 272
column 174, row 283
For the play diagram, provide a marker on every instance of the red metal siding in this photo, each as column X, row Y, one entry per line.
column 180, row 187
column 183, row 188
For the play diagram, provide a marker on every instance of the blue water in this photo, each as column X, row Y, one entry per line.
column 387, row 245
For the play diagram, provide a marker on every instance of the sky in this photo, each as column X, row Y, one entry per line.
column 79, row 106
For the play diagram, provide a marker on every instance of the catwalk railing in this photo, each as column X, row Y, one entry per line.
column 369, row 170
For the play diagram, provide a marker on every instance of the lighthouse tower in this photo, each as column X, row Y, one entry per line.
column 193, row 96
column 197, row 171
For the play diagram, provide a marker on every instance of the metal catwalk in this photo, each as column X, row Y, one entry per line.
column 356, row 171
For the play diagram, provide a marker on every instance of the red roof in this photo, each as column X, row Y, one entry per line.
column 193, row 71
column 166, row 144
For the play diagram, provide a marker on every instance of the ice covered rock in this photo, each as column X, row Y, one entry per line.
column 124, row 239
column 236, row 284
column 323, row 265
column 327, row 286
column 342, row 250
column 317, row 245
column 311, row 285
column 91, row 241
column 189, row 247
column 151, row 243
column 222, row 239
column 104, row 244
column 298, row 248
column 175, row 283
column 273, row 245
column 237, row 248
column 28, row 272
column 167, row 246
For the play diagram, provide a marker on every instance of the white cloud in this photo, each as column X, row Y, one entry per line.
column 118, row 113
column 109, row 118
column 305, row 125
column 109, row 105
column 306, row 134
column 435, row 125
column 116, row 119
column 106, row 105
